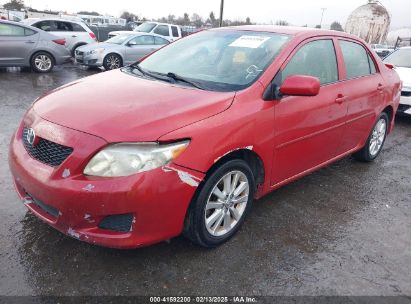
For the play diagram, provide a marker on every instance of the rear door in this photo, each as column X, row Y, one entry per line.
column 308, row 129
column 16, row 43
column 138, row 47
column 364, row 90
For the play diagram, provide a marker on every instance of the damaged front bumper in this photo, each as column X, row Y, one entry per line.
column 121, row 212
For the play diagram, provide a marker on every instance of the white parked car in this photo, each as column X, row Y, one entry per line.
column 401, row 59
column 170, row 32
column 76, row 33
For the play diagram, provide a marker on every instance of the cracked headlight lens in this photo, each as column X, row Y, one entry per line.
column 125, row 159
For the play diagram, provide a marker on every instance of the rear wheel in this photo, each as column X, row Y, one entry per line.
column 42, row 62
column 218, row 210
column 375, row 140
column 112, row 61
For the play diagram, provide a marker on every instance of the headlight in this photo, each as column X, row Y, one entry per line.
column 129, row 158
column 96, row 51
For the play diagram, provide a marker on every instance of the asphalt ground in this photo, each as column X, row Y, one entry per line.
column 343, row 230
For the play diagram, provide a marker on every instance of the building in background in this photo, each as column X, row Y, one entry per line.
column 370, row 22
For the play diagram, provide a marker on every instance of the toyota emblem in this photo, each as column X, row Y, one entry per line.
column 31, row 136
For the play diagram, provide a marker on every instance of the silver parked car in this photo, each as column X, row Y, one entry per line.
column 26, row 46
column 119, row 51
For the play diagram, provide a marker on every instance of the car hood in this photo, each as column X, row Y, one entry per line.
column 96, row 45
column 405, row 76
column 117, row 106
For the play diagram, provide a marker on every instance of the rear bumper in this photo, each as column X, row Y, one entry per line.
column 76, row 204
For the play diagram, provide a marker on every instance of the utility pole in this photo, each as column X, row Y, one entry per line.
column 221, row 12
column 322, row 15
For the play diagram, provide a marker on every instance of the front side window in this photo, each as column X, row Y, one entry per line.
column 162, row 30
column 223, row 60
column 317, row 59
column 356, row 59
column 400, row 58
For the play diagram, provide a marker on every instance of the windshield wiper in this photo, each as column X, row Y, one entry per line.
column 182, row 79
column 146, row 73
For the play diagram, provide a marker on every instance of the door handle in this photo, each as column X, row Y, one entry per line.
column 341, row 98
column 30, row 41
column 74, row 36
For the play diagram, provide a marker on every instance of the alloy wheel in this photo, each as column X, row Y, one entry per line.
column 43, row 62
column 113, row 62
column 226, row 203
column 377, row 137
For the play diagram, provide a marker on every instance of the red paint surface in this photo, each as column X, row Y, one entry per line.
column 292, row 136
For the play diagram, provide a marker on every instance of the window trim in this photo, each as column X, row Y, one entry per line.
column 369, row 55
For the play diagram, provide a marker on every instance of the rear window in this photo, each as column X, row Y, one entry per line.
column 77, row 27
column 174, row 30
column 400, row 58
column 356, row 59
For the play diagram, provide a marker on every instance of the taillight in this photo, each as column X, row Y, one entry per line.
column 60, row 41
column 92, row 36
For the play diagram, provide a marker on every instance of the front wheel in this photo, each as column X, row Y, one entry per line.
column 112, row 61
column 375, row 140
column 218, row 210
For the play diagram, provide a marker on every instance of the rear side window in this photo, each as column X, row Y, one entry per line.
column 143, row 40
column 64, row 26
column 317, row 59
column 11, row 30
column 356, row 59
column 174, row 30
column 161, row 41
column 44, row 25
column 29, row 32
column 77, row 27
column 162, row 30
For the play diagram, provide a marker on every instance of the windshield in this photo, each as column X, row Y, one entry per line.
column 400, row 58
column 145, row 27
column 118, row 39
column 218, row 60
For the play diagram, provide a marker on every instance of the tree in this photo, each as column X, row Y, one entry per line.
column 129, row 16
column 318, row 26
column 171, row 19
column 248, row 21
column 336, row 26
column 186, row 19
column 197, row 20
column 281, row 23
column 14, row 5
column 88, row 13
column 213, row 20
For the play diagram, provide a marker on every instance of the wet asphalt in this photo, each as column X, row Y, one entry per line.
column 343, row 230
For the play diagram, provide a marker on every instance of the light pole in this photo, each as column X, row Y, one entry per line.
column 221, row 12
column 322, row 15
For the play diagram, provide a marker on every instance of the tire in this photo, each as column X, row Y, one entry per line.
column 112, row 61
column 223, row 221
column 42, row 62
column 375, row 141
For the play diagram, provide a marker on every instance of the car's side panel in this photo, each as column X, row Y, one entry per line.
column 16, row 49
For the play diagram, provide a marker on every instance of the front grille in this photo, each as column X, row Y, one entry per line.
column 48, row 209
column 45, row 151
column 118, row 222
column 406, row 94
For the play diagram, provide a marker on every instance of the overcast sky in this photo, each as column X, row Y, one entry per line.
column 296, row 12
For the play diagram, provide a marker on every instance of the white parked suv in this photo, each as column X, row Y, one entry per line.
column 169, row 31
column 76, row 33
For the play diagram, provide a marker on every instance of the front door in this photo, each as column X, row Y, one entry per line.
column 138, row 47
column 308, row 130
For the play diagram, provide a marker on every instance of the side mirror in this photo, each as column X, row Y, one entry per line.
column 131, row 43
column 390, row 66
column 300, row 85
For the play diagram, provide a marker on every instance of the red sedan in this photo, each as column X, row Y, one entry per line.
column 183, row 141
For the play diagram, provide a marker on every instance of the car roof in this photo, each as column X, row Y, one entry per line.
column 290, row 30
column 53, row 19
